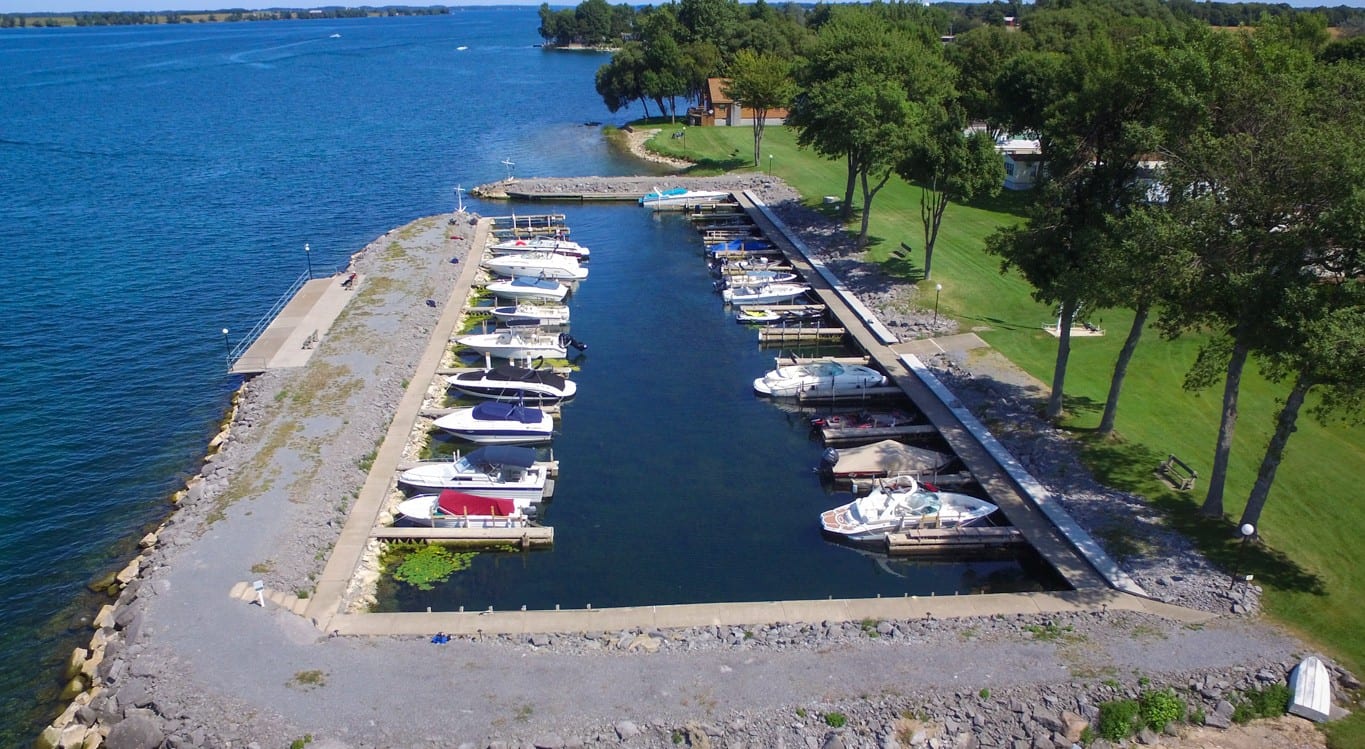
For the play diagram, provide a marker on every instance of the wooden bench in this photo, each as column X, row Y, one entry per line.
column 1177, row 472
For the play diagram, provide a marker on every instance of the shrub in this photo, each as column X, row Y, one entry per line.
column 835, row 720
column 985, row 693
column 1157, row 708
column 1270, row 702
column 1118, row 719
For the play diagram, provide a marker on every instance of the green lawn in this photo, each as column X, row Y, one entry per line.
column 1313, row 524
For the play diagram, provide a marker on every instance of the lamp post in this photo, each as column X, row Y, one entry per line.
column 1247, row 530
column 770, row 165
column 227, row 348
column 684, row 137
column 308, row 255
column 938, row 289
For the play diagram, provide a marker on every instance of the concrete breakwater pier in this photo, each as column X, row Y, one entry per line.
column 298, row 479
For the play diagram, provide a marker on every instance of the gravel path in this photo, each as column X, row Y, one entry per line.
column 186, row 665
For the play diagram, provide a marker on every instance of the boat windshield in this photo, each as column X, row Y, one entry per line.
column 826, row 369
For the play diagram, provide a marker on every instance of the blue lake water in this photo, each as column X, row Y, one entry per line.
column 157, row 184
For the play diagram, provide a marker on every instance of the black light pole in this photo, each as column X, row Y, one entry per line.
column 938, row 289
column 227, row 347
column 684, row 132
column 309, row 256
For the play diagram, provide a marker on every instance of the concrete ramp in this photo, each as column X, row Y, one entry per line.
column 291, row 337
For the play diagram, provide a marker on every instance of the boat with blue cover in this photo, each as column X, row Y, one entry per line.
column 743, row 244
column 494, row 422
column 517, row 384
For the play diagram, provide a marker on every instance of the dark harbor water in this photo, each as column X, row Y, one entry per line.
column 157, row 184
column 677, row 483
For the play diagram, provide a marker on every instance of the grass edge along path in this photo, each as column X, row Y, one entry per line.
column 1312, row 525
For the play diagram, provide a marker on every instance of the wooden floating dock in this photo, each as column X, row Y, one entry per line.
column 852, row 435
column 930, row 541
column 522, row 537
column 782, row 334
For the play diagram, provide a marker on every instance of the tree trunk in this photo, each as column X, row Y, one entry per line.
column 868, row 195
column 760, row 115
column 846, row 211
column 1054, row 401
column 1274, row 452
column 1213, row 501
column 932, row 205
column 644, row 102
column 1111, row 404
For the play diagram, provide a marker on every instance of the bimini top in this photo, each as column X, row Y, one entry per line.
column 503, row 455
column 452, row 502
column 496, row 411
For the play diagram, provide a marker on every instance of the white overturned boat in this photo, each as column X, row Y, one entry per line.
column 681, row 197
column 540, row 289
column 537, row 265
column 506, row 471
column 453, row 509
column 509, row 383
column 541, row 244
column 539, row 314
column 495, row 423
column 766, row 293
column 825, row 377
column 899, row 504
column 521, row 343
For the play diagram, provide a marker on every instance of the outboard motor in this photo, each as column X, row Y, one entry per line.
column 568, row 341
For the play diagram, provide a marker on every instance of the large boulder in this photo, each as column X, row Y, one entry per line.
column 135, row 732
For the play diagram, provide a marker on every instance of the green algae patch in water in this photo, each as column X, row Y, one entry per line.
column 425, row 565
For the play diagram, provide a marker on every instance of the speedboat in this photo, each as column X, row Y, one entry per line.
column 768, row 293
column 863, row 420
column 518, row 343
column 824, row 377
column 553, row 245
column 543, row 289
column 899, row 504
column 540, row 314
column 537, row 265
column 752, row 316
column 755, row 278
column 492, row 422
column 885, row 458
column 505, row 471
column 509, row 383
column 748, row 244
column 681, row 197
column 453, row 509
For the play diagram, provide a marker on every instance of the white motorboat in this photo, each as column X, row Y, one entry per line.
column 767, row 293
column 825, row 377
column 540, row 289
column 453, row 509
column 681, row 197
column 540, row 314
column 521, row 343
column 509, row 383
column 755, row 278
column 899, row 504
column 506, row 471
column 495, row 423
column 883, row 458
column 537, row 265
column 553, row 245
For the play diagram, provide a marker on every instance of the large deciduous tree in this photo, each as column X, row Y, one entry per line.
column 950, row 165
column 1269, row 191
column 760, row 82
column 866, row 86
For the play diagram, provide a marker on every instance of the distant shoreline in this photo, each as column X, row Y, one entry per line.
column 44, row 19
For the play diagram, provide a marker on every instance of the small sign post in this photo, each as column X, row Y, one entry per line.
column 259, row 587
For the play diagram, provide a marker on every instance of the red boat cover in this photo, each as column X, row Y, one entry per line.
column 452, row 502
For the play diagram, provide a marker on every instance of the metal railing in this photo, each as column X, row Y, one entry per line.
column 266, row 319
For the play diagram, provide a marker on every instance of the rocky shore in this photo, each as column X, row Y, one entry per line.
column 174, row 661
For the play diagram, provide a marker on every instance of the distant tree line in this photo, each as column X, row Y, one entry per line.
column 48, row 20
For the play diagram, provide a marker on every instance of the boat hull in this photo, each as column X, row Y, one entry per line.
column 429, row 480
column 825, row 378
column 482, row 424
column 550, row 292
column 512, row 384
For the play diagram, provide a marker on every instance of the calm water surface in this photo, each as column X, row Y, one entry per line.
column 157, row 184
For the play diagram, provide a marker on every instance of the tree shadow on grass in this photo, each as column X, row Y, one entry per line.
column 1000, row 324
column 1132, row 468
